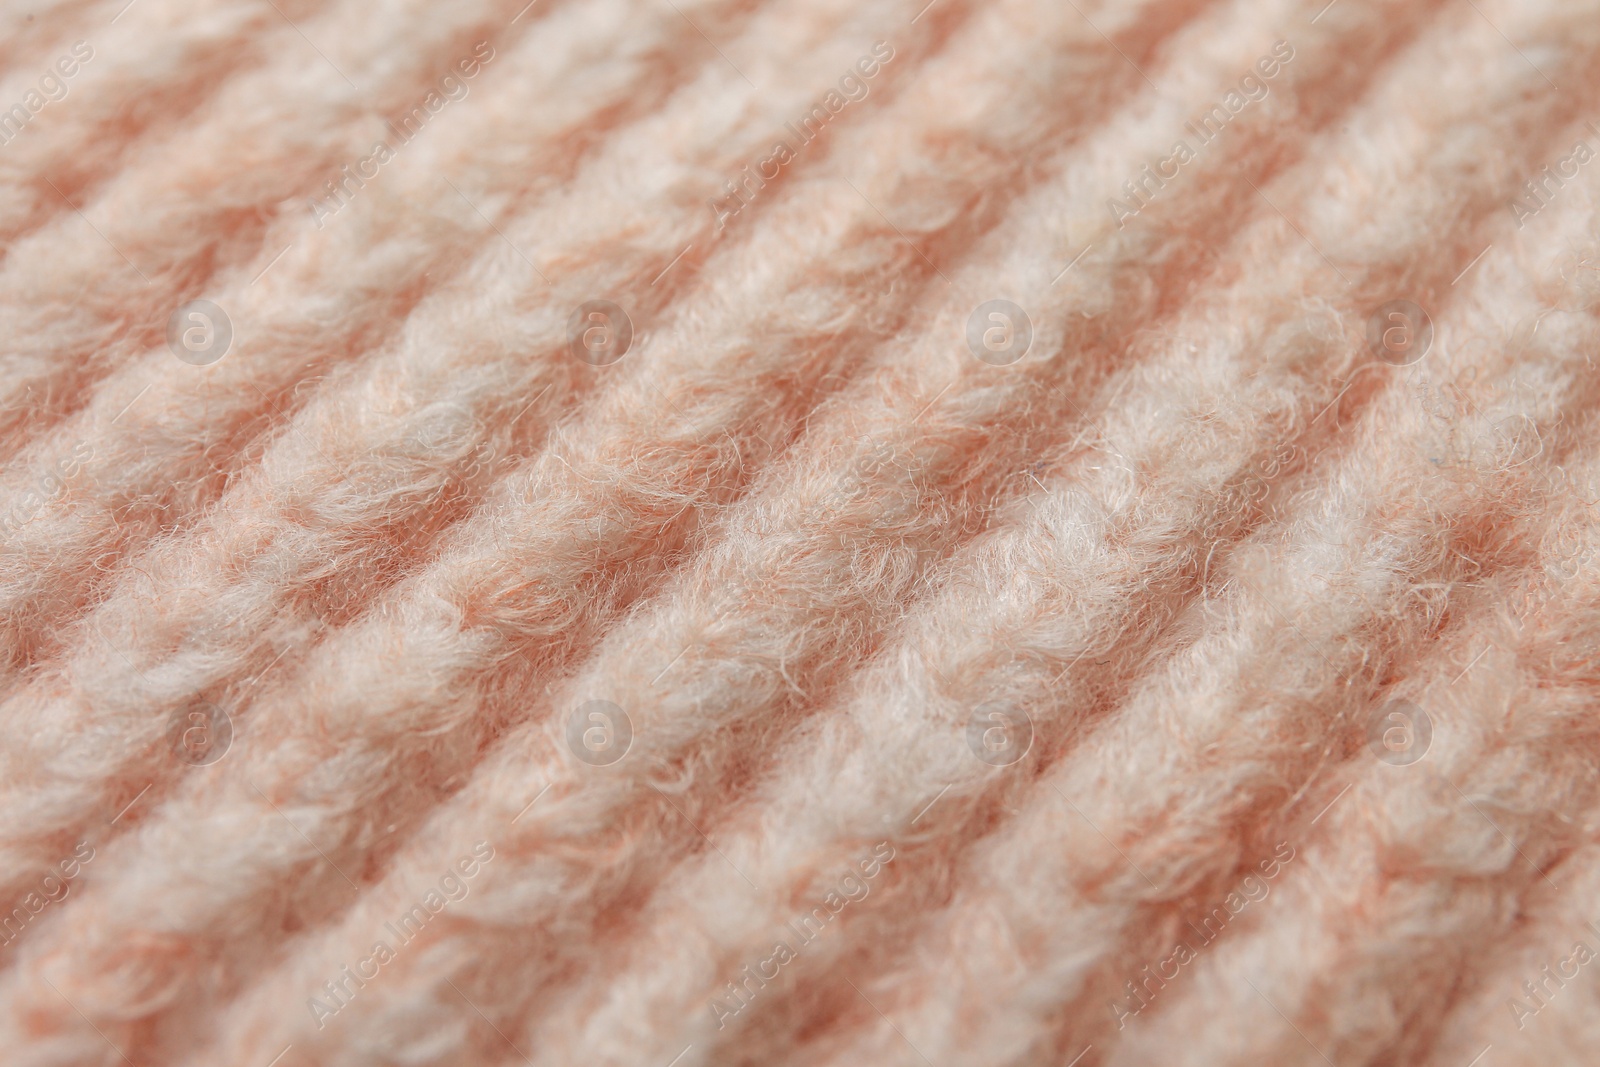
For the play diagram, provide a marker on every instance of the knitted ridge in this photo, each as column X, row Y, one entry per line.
column 867, row 531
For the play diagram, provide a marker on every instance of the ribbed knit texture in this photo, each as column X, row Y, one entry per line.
column 669, row 533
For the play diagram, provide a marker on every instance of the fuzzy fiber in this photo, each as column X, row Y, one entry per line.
column 525, row 537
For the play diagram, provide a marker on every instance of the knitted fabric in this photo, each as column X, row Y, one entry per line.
column 867, row 531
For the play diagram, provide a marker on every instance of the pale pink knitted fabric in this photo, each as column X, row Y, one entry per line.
column 656, row 533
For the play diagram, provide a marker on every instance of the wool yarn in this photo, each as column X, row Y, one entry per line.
column 205, row 428
column 165, row 65
column 724, row 532
column 150, row 232
column 1518, row 458
column 700, row 914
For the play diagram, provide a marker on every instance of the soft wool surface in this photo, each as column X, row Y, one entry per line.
column 525, row 536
